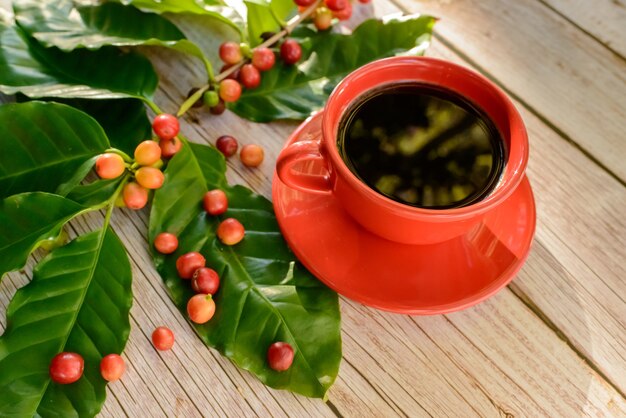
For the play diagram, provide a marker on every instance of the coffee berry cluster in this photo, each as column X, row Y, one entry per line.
column 249, row 63
column 191, row 266
column 242, row 66
column 67, row 367
column 145, row 169
column 205, row 281
column 328, row 10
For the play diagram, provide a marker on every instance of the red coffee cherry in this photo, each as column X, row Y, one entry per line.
column 323, row 18
column 290, row 51
column 201, row 308
column 304, row 3
column 110, row 166
column 280, row 356
column 66, row 368
column 166, row 243
column 163, row 338
column 147, row 153
column 149, row 177
column 230, row 52
column 230, row 231
column 252, row 155
column 215, row 202
column 112, row 367
column 364, row 1
column 170, row 147
column 345, row 13
column 227, row 145
column 263, row 59
column 336, row 5
column 166, row 126
column 230, row 90
column 205, row 280
column 135, row 196
column 188, row 263
column 219, row 109
column 249, row 76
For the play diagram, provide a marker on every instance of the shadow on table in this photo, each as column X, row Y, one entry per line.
column 502, row 356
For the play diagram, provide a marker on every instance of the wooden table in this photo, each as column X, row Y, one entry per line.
column 551, row 344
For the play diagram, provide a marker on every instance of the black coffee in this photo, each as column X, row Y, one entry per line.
column 422, row 146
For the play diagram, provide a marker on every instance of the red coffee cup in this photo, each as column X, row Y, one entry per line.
column 377, row 213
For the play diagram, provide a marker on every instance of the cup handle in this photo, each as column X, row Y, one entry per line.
column 303, row 151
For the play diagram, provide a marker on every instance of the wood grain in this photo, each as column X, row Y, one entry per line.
column 556, row 70
column 551, row 344
column 605, row 20
column 577, row 282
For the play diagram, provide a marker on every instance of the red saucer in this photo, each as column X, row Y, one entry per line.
column 412, row 279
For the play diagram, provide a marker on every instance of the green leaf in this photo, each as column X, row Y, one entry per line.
column 283, row 9
column 294, row 92
column 79, row 175
column 206, row 32
column 260, row 20
column 28, row 219
column 78, row 301
column 43, row 144
column 124, row 121
column 58, row 23
column 108, row 73
column 265, row 295
column 266, row 16
column 95, row 193
column 214, row 9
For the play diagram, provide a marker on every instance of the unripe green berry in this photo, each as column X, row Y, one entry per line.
column 211, row 98
column 245, row 50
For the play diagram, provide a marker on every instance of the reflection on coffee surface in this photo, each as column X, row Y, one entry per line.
column 422, row 146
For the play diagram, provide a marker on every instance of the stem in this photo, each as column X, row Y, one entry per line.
column 152, row 106
column 110, row 207
column 187, row 104
column 121, row 153
column 111, row 202
column 289, row 27
column 209, row 70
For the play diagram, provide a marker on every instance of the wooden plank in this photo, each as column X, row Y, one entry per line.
column 237, row 393
column 603, row 19
column 351, row 399
column 576, row 280
column 557, row 70
column 354, row 396
column 112, row 408
column 355, row 356
column 498, row 357
column 575, row 274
